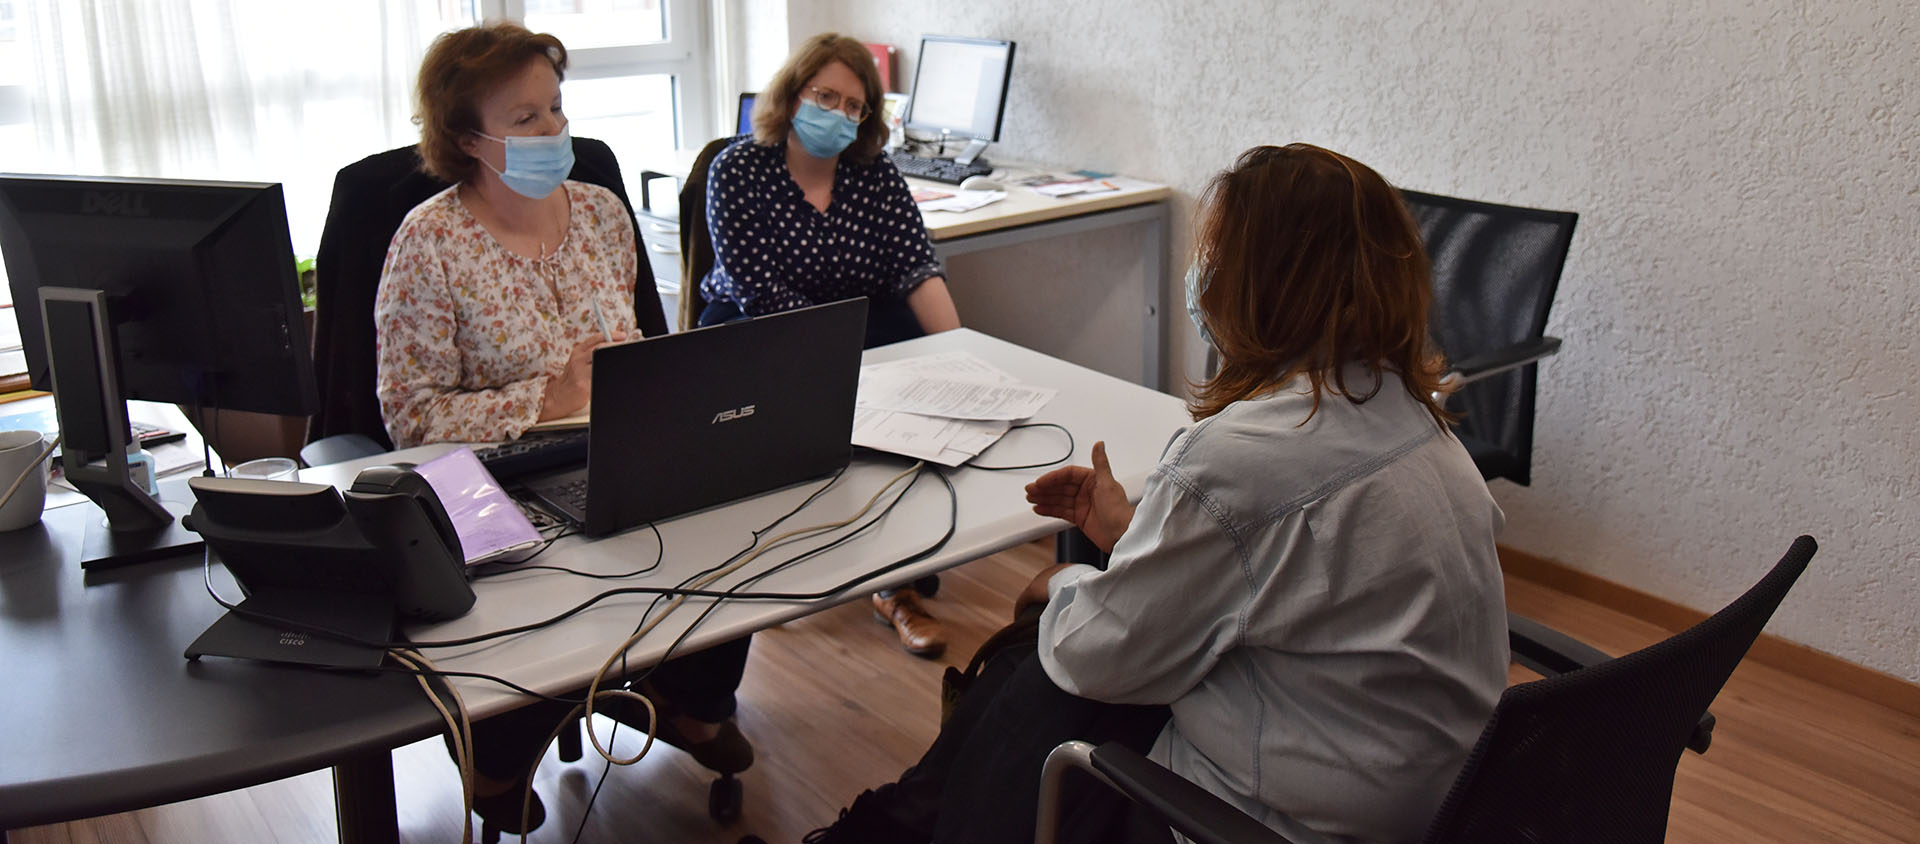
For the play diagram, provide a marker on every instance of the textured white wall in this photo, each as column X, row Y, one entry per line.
column 1739, row 308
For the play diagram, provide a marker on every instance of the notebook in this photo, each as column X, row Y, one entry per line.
column 703, row 417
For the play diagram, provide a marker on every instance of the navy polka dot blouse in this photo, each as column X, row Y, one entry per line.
column 774, row 252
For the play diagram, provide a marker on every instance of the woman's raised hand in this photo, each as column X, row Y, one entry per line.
column 1089, row 498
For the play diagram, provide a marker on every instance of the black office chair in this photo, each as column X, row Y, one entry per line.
column 370, row 199
column 1495, row 270
column 696, row 243
column 1586, row 754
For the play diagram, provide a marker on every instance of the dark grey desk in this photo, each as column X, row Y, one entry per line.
column 104, row 715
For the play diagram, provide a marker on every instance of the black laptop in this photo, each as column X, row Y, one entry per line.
column 703, row 417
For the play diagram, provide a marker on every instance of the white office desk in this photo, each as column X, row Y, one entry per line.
column 993, row 515
column 1026, row 217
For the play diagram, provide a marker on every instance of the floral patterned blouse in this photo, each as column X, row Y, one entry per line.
column 469, row 332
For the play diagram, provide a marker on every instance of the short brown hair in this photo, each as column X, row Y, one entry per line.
column 1310, row 261
column 460, row 68
column 773, row 108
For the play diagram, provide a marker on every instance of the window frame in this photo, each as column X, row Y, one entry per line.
column 679, row 57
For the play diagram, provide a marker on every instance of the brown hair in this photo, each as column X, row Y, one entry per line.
column 1310, row 261
column 773, row 108
column 460, row 68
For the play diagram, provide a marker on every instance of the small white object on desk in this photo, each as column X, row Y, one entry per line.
column 965, row 200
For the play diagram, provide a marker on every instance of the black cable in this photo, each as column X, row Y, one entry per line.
column 953, row 500
column 659, row 591
column 1062, row 459
column 632, row 682
column 447, row 672
column 659, row 554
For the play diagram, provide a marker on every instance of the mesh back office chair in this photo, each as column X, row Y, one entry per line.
column 1586, row 754
column 1495, row 270
column 370, row 198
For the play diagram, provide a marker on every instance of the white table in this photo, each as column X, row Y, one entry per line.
column 993, row 515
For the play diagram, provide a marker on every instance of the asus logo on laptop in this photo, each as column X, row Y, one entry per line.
column 730, row 415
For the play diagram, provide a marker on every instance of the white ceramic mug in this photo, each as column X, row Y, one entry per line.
column 20, row 453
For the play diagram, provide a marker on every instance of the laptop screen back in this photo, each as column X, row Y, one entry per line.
column 703, row 417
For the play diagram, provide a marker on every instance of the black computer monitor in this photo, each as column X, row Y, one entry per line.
column 746, row 114
column 199, row 277
column 156, row 289
column 960, row 89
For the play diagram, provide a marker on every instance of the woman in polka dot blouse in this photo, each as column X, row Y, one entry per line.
column 806, row 210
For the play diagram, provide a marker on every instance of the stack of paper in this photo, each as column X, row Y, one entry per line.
column 962, row 201
column 944, row 408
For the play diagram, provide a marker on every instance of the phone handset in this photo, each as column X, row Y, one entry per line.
column 398, row 511
column 401, row 479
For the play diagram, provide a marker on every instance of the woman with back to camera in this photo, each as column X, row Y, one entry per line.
column 806, row 211
column 494, row 295
column 1304, row 614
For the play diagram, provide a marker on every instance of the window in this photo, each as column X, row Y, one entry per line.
column 637, row 73
column 241, row 89
column 15, row 133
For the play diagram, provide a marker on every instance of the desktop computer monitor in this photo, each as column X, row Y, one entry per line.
column 745, row 124
column 163, row 290
column 960, row 90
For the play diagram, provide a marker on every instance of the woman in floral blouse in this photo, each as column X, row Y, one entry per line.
column 494, row 290
column 495, row 293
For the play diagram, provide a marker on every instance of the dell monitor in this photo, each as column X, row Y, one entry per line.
column 162, row 290
column 960, row 90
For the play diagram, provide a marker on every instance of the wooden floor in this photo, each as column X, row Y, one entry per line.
column 834, row 706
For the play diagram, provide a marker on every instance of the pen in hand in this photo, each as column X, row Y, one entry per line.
column 600, row 318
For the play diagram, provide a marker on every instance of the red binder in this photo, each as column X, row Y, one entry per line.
column 883, row 57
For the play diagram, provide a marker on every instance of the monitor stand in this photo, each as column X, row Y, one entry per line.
column 96, row 436
column 973, row 150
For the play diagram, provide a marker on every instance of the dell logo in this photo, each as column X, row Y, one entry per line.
column 116, row 203
column 730, row 415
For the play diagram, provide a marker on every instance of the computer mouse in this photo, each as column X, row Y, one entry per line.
column 980, row 183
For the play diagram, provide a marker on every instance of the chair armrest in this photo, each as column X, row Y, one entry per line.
column 1551, row 653
column 339, row 448
column 1501, row 360
column 1548, row 651
column 1192, row 810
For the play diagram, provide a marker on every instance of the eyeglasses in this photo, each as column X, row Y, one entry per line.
column 832, row 101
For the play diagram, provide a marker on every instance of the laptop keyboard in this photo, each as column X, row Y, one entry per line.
column 535, row 453
column 572, row 494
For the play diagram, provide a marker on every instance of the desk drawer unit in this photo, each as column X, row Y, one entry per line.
column 660, row 237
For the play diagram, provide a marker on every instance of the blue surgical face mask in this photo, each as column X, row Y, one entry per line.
column 1194, row 289
column 536, row 164
column 823, row 133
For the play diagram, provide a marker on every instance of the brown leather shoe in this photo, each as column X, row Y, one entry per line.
column 920, row 633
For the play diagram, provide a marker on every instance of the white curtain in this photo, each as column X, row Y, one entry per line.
column 251, row 90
